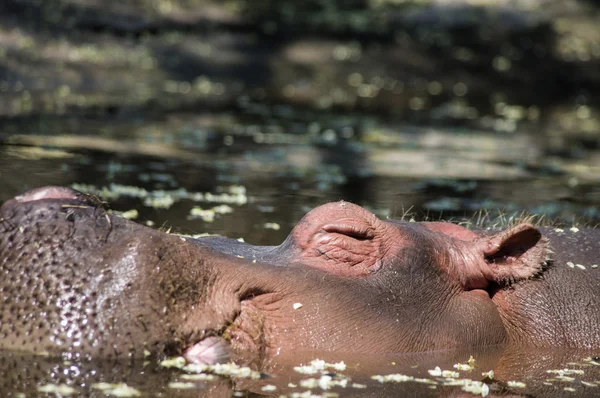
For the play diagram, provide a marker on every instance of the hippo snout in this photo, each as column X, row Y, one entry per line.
column 78, row 279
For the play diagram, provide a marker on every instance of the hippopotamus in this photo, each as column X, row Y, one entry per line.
column 80, row 281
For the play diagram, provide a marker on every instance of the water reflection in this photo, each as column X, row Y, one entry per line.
column 389, row 169
column 491, row 371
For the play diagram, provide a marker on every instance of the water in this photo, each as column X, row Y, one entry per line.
column 393, row 170
column 491, row 371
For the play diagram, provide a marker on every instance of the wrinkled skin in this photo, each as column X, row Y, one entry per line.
column 78, row 280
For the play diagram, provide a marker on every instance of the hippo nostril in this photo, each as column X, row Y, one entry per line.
column 252, row 293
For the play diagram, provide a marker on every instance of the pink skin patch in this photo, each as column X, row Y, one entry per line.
column 453, row 230
column 47, row 193
column 342, row 239
column 210, row 351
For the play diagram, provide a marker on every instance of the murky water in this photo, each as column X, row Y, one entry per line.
column 489, row 371
column 274, row 178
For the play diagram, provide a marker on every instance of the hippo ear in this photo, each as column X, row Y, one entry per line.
column 517, row 253
column 347, row 247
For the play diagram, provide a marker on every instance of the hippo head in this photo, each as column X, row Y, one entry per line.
column 347, row 240
column 79, row 281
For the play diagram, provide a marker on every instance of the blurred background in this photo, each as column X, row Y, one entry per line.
column 236, row 116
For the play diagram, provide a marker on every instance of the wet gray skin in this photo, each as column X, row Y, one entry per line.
column 82, row 282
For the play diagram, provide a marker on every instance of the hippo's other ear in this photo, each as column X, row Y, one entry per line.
column 514, row 254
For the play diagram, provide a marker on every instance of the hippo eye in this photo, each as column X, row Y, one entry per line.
column 359, row 231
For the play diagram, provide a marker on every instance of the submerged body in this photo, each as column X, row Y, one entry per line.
column 78, row 280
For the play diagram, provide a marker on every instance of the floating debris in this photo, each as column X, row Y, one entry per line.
column 592, row 361
column 130, row 214
column 516, row 384
column 489, row 375
column 468, row 385
column 309, row 394
column 159, row 202
column 470, row 365
column 205, row 215
column 117, row 390
column 177, row 362
column 423, row 380
column 269, row 388
column 223, row 209
column 444, row 373
column 476, row 387
column 325, row 382
column 198, row 377
column 178, row 385
column 395, row 377
column 232, row 195
column 563, row 379
column 318, row 365
column 463, row 366
column 223, row 369
column 563, row 372
column 297, row 306
column 435, row 372
column 208, row 215
column 589, row 384
column 58, row 389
